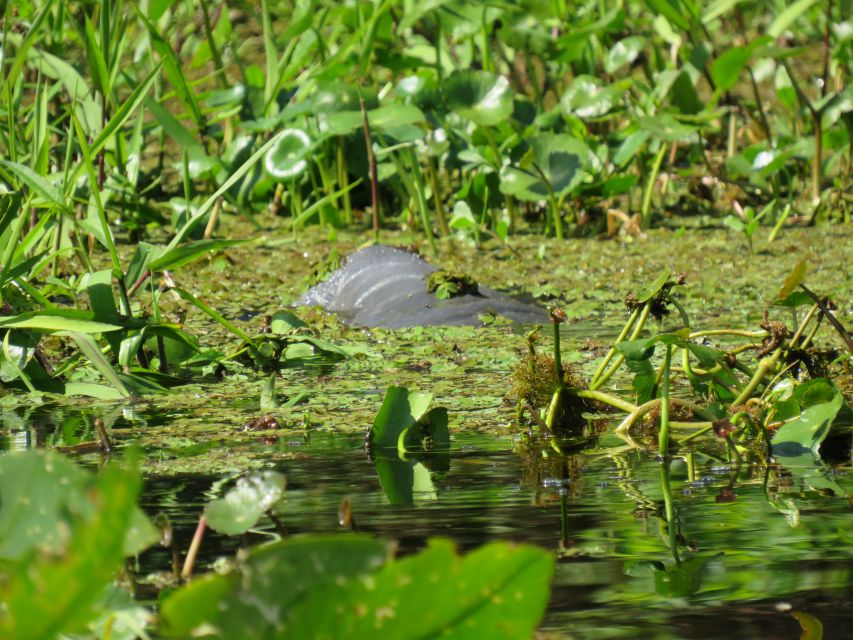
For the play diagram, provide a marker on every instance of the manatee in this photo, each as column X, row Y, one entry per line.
column 381, row 286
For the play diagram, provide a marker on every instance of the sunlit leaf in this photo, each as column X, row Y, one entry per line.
column 479, row 96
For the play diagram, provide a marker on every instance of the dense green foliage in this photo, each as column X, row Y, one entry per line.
column 118, row 123
column 129, row 131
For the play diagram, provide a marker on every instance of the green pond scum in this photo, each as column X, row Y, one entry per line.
column 185, row 452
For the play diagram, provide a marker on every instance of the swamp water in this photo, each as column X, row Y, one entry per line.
column 705, row 550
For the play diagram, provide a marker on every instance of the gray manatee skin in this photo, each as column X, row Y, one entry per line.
column 381, row 286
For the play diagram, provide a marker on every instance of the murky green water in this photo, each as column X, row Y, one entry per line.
column 708, row 550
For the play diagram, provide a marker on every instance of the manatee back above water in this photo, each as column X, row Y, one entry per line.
column 381, row 286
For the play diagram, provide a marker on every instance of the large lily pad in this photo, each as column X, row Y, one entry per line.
column 479, row 96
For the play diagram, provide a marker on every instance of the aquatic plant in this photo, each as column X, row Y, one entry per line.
column 762, row 402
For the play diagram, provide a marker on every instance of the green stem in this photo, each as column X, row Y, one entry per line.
column 645, row 215
column 765, row 366
column 621, row 358
column 663, row 434
column 612, row 351
column 605, row 398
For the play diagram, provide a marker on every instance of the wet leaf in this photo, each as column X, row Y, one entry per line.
column 241, row 508
column 807, row 417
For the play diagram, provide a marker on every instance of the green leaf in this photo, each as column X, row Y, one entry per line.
column 241, row 508
column 807, row 417
column 650, row 291
column 84, row 522
column 588, row 97
column 479, row 96
column 785, row 19
column 184, row 254
column 173, row 69
column 637, row 350
column 394, row 115
column 623, row 53
column 727, row 68
column 90, row 349
column 792, row 281
column 562, row 161
column 497, row 591
column 273, row 578
column 672, row 11
column 665, row 127
column 288, row 157
column 36, row 183
column 630, row 147
column 400, row 410
column 58, row 320
column 284, row 322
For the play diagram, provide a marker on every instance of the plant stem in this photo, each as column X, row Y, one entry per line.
column 374, row 180
column 621, row 358
column 605, row 398
column 612, row 351
column 663, row 434
column 764, row 367
column 645, row 215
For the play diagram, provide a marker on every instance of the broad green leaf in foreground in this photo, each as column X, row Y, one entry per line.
column 344, row 586
column 64, row 535
column 254, row 601
column 497, row 591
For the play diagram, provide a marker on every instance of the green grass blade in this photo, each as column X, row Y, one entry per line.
column 173, row 69
column 124, row 111
column 198, row 216
column 96, row 193
column 38, row 185
column 213, row 314
column 90, row 349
